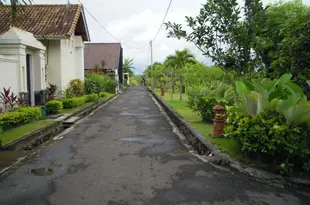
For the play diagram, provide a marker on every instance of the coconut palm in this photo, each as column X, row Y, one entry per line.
column 177, row 62
column 128, row 67
column 14, row 5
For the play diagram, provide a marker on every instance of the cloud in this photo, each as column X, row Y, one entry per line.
column 136, row 22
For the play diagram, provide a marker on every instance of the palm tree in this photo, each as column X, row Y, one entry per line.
column 177, row 62
column 128, row 67
column 14, row 5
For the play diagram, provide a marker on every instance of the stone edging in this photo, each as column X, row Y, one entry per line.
column 213, row 155
column 43, row 134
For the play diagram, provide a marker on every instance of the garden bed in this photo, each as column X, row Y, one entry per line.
column 228, row 146
column 33, row 134
column 188, row 122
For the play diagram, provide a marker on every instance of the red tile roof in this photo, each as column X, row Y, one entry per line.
column 94, row 53
column 47, row 20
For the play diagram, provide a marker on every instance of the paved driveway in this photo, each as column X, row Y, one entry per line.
column 127, row 154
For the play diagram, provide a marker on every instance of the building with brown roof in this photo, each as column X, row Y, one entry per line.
column 45, row 44
column 111, row 54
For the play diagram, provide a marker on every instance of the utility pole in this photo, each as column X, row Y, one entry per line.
column 153, row 80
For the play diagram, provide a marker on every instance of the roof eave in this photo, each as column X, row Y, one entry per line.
column 85, row 24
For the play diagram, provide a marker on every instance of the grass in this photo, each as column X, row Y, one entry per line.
column 16, row 133
column 226, row 145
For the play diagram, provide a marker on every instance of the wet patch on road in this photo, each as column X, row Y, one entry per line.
column 74, row 168
column 141, row 140
column 42, row 171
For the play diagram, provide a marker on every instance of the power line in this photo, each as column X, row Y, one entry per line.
column 106, row 29
column 163, row 20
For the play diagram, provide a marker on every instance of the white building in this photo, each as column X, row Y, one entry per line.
column 46, row 45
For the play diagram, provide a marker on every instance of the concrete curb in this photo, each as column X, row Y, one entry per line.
column 42, row 135
column 215, row 156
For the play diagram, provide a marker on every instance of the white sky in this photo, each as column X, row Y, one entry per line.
column 135, row 23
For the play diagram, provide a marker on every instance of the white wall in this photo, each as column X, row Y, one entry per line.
column 53, row 63
column 67, row 61
column 9, row 70
column 79, row 57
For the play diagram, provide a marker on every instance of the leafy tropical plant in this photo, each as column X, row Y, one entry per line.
column 203, row 100
column 96, row 83
column 128, row 67
column 177, row 62
column 77, row 87
column 9, row 99
column 51, row 91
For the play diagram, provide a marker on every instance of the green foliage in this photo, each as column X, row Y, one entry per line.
column 76, row 87
column 280, row 94
column 54, row 107
column 19, row 116
column 222, row 33
column 102, row 94
column 73, row 102
column 203, row 101
column 96, row 83
column 287, row 50
column 91, row 97
column 133, row 82
column 51, row 91
column 128, row 67
column 268, row 134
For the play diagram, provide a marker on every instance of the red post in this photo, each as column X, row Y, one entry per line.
column 219, row 121
column 162, row 91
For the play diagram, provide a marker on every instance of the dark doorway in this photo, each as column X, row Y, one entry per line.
column 28, row 64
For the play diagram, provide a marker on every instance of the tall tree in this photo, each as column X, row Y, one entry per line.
column 14, row 6
column 283, row 42
column 221, row 32
column 128, row 66
column 178, row 62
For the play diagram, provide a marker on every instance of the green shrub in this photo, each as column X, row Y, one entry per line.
column 133, row 81
column 19, row 116
column 77, row 87
column 268, row 134
column 96, row 83
column 54, row 107
column 91, row 97
column 73, row 102
column 203, row 104
column 102, row 94
column 32, row 113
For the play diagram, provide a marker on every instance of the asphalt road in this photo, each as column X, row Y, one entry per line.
column 127, row 154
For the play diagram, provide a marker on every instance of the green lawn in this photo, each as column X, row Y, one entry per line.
column 229, row 146
column 16, row 133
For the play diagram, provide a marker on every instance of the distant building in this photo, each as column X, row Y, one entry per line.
column 110, row 55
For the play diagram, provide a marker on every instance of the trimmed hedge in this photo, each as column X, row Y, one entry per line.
column 73, row 102
column 54, row 107
column 18, row 117
column 102, row 94
column 91, row 98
